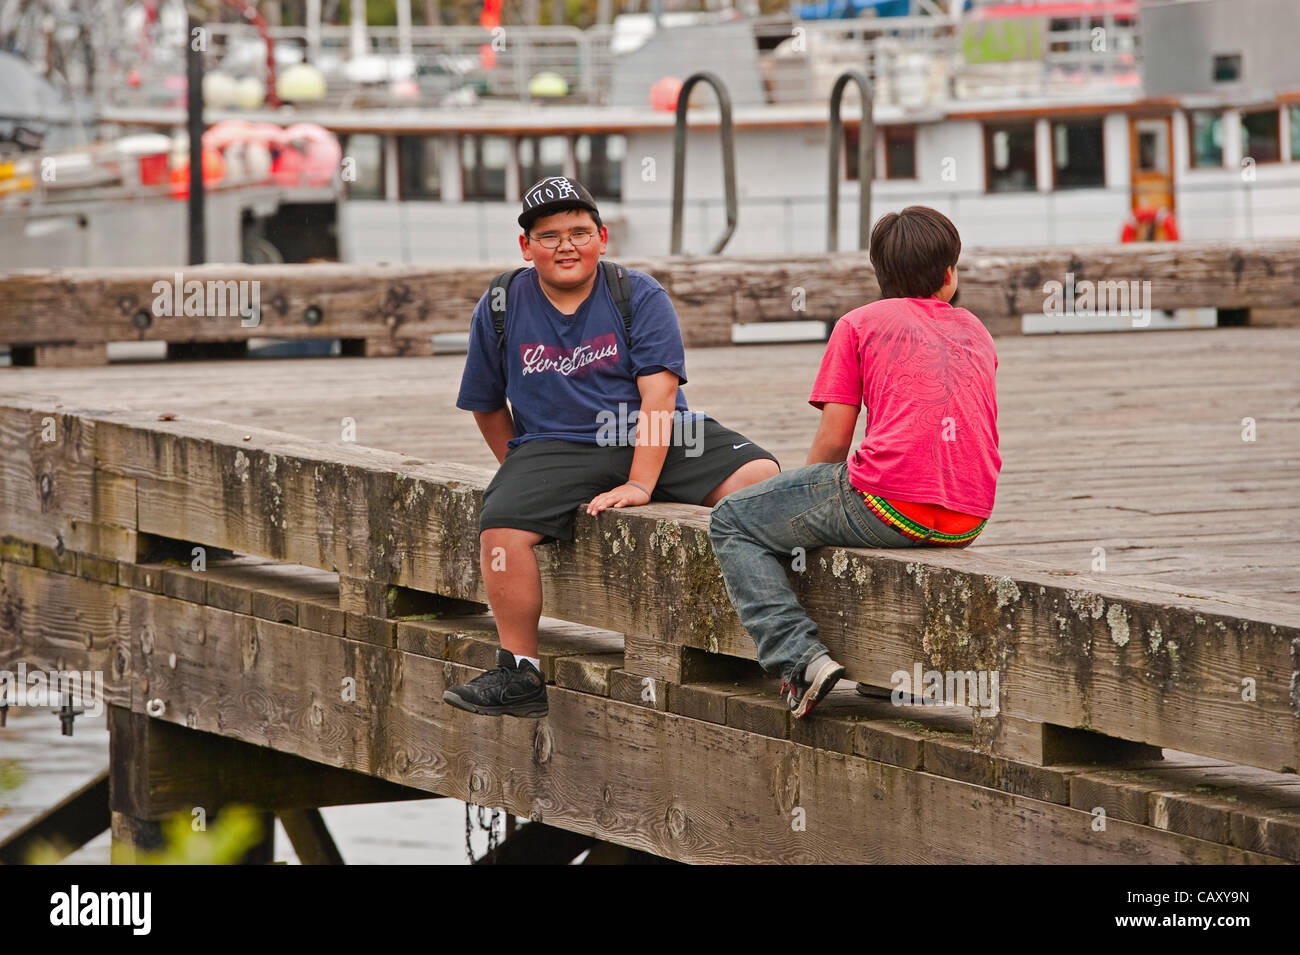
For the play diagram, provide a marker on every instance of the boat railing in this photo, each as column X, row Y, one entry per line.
column 913, row 62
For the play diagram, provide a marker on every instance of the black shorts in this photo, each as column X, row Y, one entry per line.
column 541, row 484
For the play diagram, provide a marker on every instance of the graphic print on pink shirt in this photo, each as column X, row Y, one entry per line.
column 576, row 361
column 933, row 373
column 925, row 371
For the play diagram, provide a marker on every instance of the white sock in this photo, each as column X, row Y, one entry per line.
column 533, row 660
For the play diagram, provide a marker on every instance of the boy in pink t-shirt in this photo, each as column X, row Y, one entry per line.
column 925, row 472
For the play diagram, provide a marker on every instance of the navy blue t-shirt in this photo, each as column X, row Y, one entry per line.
column 572, row 377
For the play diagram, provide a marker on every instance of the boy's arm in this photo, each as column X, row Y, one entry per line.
column 497, row 428
column 654, row 433
column 654, row 427
column 483, row 383
column 835, row 434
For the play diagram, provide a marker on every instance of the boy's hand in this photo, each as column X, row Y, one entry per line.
column 625, row 495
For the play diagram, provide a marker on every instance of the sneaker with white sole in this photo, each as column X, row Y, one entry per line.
column 805, row 692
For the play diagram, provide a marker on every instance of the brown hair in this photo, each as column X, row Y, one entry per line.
column 910, row 251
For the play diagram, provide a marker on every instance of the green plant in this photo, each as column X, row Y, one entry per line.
column 235, row 831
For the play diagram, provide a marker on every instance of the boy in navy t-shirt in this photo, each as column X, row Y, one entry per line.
column 595, row 416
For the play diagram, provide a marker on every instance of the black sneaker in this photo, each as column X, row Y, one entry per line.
column 821, row 674
column 508, row 690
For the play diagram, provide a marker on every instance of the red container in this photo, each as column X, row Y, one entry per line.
column 153, row 170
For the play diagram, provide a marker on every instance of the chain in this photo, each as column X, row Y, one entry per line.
column 486, row 823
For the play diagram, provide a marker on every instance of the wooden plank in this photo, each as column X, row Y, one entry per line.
column 947, row 756
column 57, row 622
column 676, row 663
column 701, row 701
column 133, row 837
column 763, row 712
column 587, row 672
column 396, row 309
column 1121, row 462
column 64, row 828
column 387, row 302
column 52, row 494
column 1042, row 744
column 639, row 691
column 59, row 354
column 310, row 837
column 624, row 773
column 162, row 768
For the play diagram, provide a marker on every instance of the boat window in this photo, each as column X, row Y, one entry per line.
column 1227, row 67
column 1010, row 157
column 540, row 157
column 1293, row 113
column 483, row 166
column 1205, row 127
column 900, row 152
column 364, row 175
column 1260, row 135
column 1078, row 158
column 419, row 172
column 600, row 163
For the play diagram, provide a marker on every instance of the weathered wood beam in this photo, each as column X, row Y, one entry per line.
column 51, row 492
column 634, row 775
column 1086, row 652
column 310, row 837
column 1260, row 811
column 1064, row 654
column 64, row 828
column 133, row 837
column 395, row 309
column 161, row 768
column 65, row 623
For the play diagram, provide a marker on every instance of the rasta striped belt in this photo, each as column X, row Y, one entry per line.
column 900, row 522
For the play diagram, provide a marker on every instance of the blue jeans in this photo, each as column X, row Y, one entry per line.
column 754, row 533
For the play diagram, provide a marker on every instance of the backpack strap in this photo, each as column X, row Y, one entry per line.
column 497, row 293
column 620, row 286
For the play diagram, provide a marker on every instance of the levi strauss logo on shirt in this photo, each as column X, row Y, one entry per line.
column 568, row 361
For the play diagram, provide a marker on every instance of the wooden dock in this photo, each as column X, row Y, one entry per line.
column 359, row 562
column 68, row 317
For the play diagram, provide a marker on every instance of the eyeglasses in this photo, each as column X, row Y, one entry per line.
column 553, row 240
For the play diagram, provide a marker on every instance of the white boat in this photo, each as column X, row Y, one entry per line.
column 1029, row 124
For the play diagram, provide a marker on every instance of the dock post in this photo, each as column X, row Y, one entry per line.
column 158, row 769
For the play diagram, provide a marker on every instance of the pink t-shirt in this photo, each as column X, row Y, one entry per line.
column 925, row 371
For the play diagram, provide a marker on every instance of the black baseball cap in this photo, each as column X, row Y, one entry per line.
column 553, row 194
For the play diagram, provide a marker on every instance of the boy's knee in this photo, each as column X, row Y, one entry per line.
column 722, row 520
column 496, row 542
column 717, row 516
column 754, row 472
